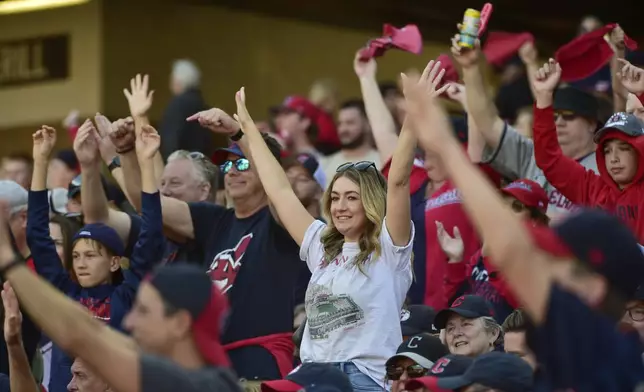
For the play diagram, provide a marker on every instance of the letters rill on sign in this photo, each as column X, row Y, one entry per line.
column 33, row 60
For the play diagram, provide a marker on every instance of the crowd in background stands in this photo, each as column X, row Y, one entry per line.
column 369, row 245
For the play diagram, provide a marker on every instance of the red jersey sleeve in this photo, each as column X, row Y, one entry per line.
column 567, row 175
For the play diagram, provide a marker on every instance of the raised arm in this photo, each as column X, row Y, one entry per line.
column 41, row 245
column 620, row 94
column 528, row 54
column 69, row 324
column 479, row 102
column 567, row 175
column 509, row 244
column 291, row 213
column 632, row 78
column 149, row 247
column 380, row 118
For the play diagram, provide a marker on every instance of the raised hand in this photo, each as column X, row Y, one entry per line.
column 139, row 97
column 86, row 144
column 465, row 57
column 632, row 77
column 364, row 69
column 216, row 120
column 147, row 143
column 528, row 53
column 122, row 135
column 452, row 246
column 546, row 81
column 105, row 144
column 12, row 316
column 242, row 116
column 44, row 142
column 616, row 38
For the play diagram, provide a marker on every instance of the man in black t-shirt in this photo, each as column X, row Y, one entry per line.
column 178, row 305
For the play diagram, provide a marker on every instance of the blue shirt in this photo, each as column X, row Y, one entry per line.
column 582, row 350
column 109, row 302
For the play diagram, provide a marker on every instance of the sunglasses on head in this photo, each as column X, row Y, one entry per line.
column 413, row 371
column 359, row 166
column 241, row 164
column 567, row 116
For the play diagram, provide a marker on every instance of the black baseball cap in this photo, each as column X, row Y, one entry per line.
column 221, row 155
column 450, row 365
column 576, row 101
column 187, row 287
column 601, row 242
column 417, row 319
column 626, row 123
column 497, row 370
column 468, row 306
column 424, row 349
column 311, row 376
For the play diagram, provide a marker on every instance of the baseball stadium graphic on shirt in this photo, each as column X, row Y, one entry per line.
column 328, row 312
column 225, row 265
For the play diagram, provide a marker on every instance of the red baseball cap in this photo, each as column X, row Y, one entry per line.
column 529, row 193
column 302, row 106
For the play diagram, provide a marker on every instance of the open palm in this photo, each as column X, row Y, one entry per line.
column 12, row 315
column 452, row 246
column 139, row 97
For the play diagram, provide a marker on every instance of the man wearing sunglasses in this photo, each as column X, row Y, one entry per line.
column 510, row 153
column 414, row 358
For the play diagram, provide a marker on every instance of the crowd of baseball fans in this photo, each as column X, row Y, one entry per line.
column 380, row 243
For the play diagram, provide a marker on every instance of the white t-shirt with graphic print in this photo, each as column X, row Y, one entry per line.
column 354, row 316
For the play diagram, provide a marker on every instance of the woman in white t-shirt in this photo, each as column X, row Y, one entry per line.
column 360, row 261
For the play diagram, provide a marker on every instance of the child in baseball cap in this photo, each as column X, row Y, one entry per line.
column 96, row 255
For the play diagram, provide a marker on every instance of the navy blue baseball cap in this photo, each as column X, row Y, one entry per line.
column 221, row 155
column 468, row 306
column 496, row 370
column 601, row 242
column 104, row 235
column 625, row 123
column 311, row 376
column 187, row 287
column 450, row 365
column 417, row 319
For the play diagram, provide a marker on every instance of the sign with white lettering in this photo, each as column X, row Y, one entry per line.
column 34, row 60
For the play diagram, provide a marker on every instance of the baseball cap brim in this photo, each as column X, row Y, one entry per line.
column 280, row 386
column 441, row 317
column 429, row 382
column 623, row 130
column 221, row 155
column 206, row 334
column 419, row 359
column 452, row 383
column 408, row 330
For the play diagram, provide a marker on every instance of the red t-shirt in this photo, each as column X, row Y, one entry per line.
column 445, row 206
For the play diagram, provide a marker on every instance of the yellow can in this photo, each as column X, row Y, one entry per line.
column 469, row 28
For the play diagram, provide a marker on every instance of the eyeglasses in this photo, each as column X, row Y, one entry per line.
column 567, row 116
column 359, row 166
column 413, row 371
column 241, row 164
column 636, row 314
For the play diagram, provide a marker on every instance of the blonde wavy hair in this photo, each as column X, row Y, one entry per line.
column 373, row 195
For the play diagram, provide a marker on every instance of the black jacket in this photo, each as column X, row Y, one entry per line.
column 179, row 134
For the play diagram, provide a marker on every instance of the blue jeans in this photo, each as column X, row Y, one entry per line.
column 360, row 381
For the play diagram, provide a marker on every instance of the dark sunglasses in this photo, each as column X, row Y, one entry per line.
column 636, row 314
column 241, row 164
column 567, row 116
column 359, row 166
column 413, row 371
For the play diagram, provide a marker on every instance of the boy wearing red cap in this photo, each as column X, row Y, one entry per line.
column 620, row 145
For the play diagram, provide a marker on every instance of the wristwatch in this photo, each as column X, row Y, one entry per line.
column 116, row 163
column 236, row 137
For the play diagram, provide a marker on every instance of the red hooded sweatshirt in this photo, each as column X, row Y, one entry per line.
column 584, row 187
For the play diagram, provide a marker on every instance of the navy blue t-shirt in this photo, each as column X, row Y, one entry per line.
column 416, row 293
column 256, row 263
column 479, row 284
column 582, row 350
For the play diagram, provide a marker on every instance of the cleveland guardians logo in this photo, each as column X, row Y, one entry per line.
column 225, row 265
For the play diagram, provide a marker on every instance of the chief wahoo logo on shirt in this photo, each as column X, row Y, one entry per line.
column 226, row 264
